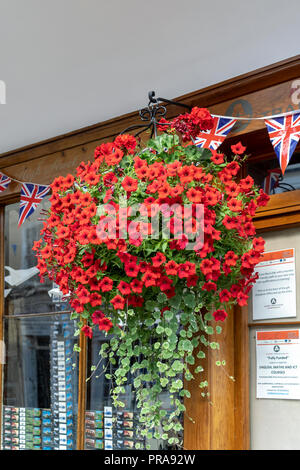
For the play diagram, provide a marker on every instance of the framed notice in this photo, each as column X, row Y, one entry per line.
column 274, row 293
column 278, row 364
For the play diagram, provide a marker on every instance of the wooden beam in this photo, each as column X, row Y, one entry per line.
column 78, row 140
column 214, row 417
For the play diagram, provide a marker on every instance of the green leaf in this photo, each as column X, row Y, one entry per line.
column 159, row 329
column 150, row 305
column 161, row 298
column 164, row 382
column 175, row 301
column 190, row 360
column 201, row 355
column 189, row 300
column 168, row 315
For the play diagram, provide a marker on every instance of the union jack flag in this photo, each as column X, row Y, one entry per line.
column 31, row 196
column 271, row 180
column 213, row 138
column 4, row 182
column 284, row 133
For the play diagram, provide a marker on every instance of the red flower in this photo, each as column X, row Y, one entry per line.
column 97, row 316
column 192, row 281
column 124, row 288
column 163, row 125
column 235, row 205
column 208, row 286
column 186, row 269
column 231, row 258
column 262, row 199
column 149, row 279
column 238, row 149
column 194, row 195
column 87, row 330
column 136, row 286
column 129, row 184
column 242, row 299
column 233, row 168
column 246, row 184
column 158, row 259
column 106, row 284
column 126, row 142
column 131, row 269
column 219, row 315
column 224, row 295
column 258, row 244
column 95, row 300
column 109, row 179
column 217, row 158
column 118, row 302
column 202, row 118
column 105, row 324
column 171, row 268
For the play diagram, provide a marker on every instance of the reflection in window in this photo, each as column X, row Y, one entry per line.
column 107, row 428
column 24, row 293
column 267, row 174
column 40, row 384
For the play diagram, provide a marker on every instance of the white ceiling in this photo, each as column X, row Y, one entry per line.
column 71, row 63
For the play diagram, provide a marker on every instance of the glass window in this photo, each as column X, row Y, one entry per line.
column 24, row 293
column 106, row 427
column 267, row 174
column 40, row 383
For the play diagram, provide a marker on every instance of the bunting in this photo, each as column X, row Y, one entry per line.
column 31, row 196
column 284, row 133
column 271, row 180
column 4, row 182
column 213, row 138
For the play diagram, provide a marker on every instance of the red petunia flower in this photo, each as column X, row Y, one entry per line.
column 124, row 288
column 158, row 259
column 118, row 302
column 87, row 330
column 129, row 184
column 220, row 315
column 105, row 324
column 97, row 316
column 238, row 149
column 106, row 284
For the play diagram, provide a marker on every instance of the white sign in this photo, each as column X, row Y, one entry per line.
column 274, row 293
column 278, row 364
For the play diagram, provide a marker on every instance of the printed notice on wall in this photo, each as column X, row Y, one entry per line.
column 274, row 293
column 278, row 364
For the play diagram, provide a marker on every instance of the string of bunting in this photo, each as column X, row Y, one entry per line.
column 283, row 130
column 31, row 195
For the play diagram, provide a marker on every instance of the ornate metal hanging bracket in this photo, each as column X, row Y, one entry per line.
column 152, row 114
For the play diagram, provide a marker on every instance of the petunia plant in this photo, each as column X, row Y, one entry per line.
column 154, row 244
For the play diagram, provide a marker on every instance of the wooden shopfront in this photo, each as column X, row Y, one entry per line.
column 32, row 316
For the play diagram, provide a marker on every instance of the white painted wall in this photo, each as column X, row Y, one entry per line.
column 70, row 63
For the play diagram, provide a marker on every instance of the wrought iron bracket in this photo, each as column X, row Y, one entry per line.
column 152, row 114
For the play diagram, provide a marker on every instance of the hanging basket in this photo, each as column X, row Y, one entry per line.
column 143, row 239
